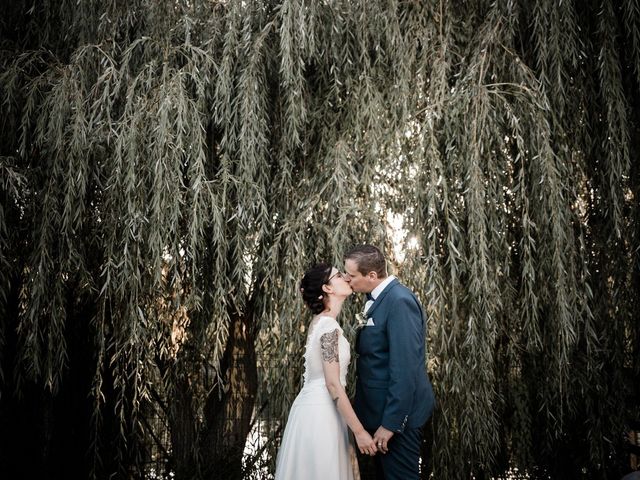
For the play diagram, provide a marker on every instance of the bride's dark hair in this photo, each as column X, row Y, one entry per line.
column 311, row 286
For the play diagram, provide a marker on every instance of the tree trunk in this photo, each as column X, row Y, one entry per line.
column 230, row 405
column 182, row 425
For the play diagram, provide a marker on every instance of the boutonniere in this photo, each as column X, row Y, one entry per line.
column 361, row 318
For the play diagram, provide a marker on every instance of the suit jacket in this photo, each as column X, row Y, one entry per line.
column 392, row 386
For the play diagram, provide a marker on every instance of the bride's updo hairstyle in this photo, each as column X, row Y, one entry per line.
column 311, row 286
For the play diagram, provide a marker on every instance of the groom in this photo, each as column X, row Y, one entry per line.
column 394, row 397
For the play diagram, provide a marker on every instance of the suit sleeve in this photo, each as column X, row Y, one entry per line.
column 405, row 330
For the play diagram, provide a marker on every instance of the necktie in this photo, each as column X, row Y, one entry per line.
column 369, row 296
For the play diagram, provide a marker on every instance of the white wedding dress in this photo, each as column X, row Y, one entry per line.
column 316, row 443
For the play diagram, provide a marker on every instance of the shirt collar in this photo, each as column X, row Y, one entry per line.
column 378, row 290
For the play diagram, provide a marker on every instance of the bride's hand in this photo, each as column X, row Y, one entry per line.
column 365, row 442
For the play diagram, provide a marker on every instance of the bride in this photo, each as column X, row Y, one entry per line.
column 315, row 444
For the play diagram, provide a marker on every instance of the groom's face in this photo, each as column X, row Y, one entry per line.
column 359, row 283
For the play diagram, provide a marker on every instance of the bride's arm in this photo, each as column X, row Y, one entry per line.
column 331, row 369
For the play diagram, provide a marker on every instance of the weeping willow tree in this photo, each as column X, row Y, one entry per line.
column 169, row 169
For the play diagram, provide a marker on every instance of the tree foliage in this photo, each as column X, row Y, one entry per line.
column 169, row 169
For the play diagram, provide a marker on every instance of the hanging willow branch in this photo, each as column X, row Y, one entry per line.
column 168, row 171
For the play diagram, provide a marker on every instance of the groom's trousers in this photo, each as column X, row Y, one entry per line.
column 402, row 462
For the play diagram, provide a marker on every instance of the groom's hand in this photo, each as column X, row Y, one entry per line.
column 381, row 438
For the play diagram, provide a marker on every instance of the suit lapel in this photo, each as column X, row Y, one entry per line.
column 380, row 297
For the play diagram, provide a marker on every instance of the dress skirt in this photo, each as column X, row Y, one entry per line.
column 316, row 442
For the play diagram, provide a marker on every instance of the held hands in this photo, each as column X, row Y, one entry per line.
column 381, row 439
column 379, row 442
column 366, row 445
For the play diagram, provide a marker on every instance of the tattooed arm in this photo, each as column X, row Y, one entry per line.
column 331, row 368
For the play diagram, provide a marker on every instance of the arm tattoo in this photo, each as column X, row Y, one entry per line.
column 329, row 346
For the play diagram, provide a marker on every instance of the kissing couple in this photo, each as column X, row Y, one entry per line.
column 393, row 398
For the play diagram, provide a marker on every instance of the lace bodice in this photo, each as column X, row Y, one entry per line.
column 313, row 353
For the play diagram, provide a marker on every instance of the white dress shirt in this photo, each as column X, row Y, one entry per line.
column 377, row 291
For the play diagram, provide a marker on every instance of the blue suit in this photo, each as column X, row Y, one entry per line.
column 392, row 386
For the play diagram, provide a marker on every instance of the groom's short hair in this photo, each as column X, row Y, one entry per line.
column 369, row 259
